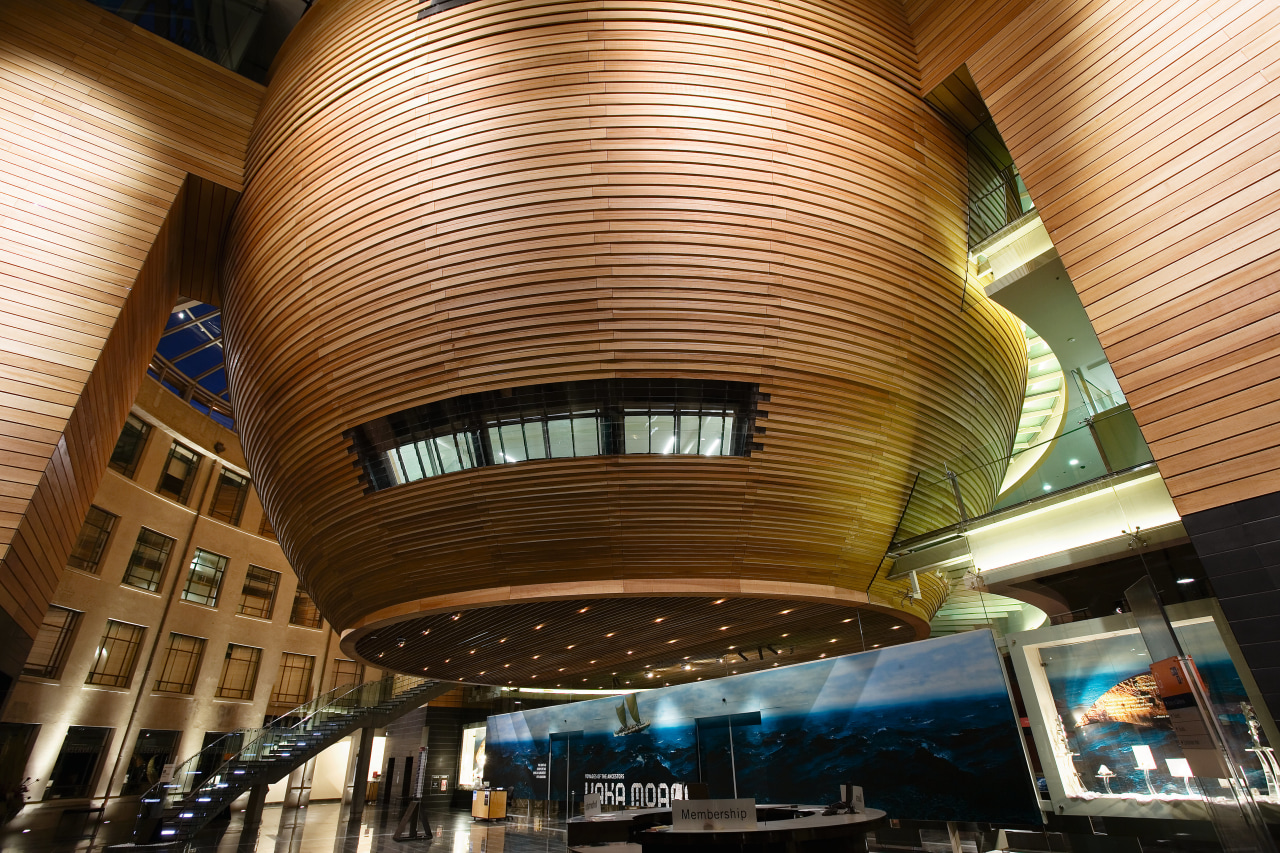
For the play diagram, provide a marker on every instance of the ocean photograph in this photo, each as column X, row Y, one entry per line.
column 927, row 729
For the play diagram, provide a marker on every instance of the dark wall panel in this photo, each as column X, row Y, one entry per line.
column 1239, row 546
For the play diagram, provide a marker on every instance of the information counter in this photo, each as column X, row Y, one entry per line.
column 488, row 805
column 778, row 828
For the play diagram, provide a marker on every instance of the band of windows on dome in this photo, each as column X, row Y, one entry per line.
column 687, row 417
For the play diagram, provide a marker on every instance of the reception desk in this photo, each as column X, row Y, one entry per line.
column 779, row 828
column 488, row 805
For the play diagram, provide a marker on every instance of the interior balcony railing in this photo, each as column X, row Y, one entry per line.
column 1099, row 439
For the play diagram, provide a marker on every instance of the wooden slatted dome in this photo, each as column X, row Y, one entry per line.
column 512, row 194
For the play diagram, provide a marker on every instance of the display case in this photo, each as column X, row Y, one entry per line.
column 1101, row 729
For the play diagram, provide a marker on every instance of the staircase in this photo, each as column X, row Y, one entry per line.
column 202, row 786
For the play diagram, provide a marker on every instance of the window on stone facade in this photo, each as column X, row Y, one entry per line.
column 304, row 611
column 53, row 640
column 229, row 497
column 204, row 580
column 92, row 541
column 116, row 655
column 128, row 449
column 179, row 473
column 259, row 595
column 148, row 561
column 239, row 672
column 181, row 664
column 293, row 680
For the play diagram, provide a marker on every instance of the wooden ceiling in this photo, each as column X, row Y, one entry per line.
column 605, row 643
column 509, row 193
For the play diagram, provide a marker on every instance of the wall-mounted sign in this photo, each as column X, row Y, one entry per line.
column 591, row 804
column 689, row 815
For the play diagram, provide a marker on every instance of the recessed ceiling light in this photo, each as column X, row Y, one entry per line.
column 1186, row 580
column 669, row 642
column 472, row 652
column 537, row 627
column 846, row 620
column 785, row 612
column 786, row 635
column 1073, row 461
column 833, row 641
column 659, row 619
column 611, row 633
column 583, row 610
column 823, row 655
column 630, row 653
column 569, row 647
column 721, row 601
column 895, row 627
column 446, row 660
column 535, row 657
column 724, row 627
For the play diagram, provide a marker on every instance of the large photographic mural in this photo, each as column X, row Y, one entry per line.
column 927, row 729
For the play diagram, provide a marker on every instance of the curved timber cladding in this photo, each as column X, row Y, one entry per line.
column 512, row 193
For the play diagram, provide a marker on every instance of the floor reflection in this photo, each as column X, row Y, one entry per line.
column 326, row 828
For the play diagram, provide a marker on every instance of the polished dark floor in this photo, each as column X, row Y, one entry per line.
column 325, row 828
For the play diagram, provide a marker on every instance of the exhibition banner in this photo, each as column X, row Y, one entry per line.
column 927, row 729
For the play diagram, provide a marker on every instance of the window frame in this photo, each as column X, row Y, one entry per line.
column 182, row 493
column 134, row 562
column 301, row 595
column 219, row 575
column 59, row 647
column 100, row 675
column 268, row 612
column 130, row 468
column 91, row 562
column 194, row 658
column 285, row 677
column 235, row 513
column 254, row 661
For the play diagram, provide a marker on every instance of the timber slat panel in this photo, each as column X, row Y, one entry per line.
column 948, row 31
column 100, row 125
column 1147, row 139
column 509, row 193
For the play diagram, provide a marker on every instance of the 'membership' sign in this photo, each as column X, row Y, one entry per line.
column 689, row 815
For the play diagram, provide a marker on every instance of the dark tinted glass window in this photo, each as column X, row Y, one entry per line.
column 179, row 473
column 92, row 540
column 229, row 497
column 304, row 611
column 49, row 650
column 148, row 560
column 77, row 766
column 128, row 449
